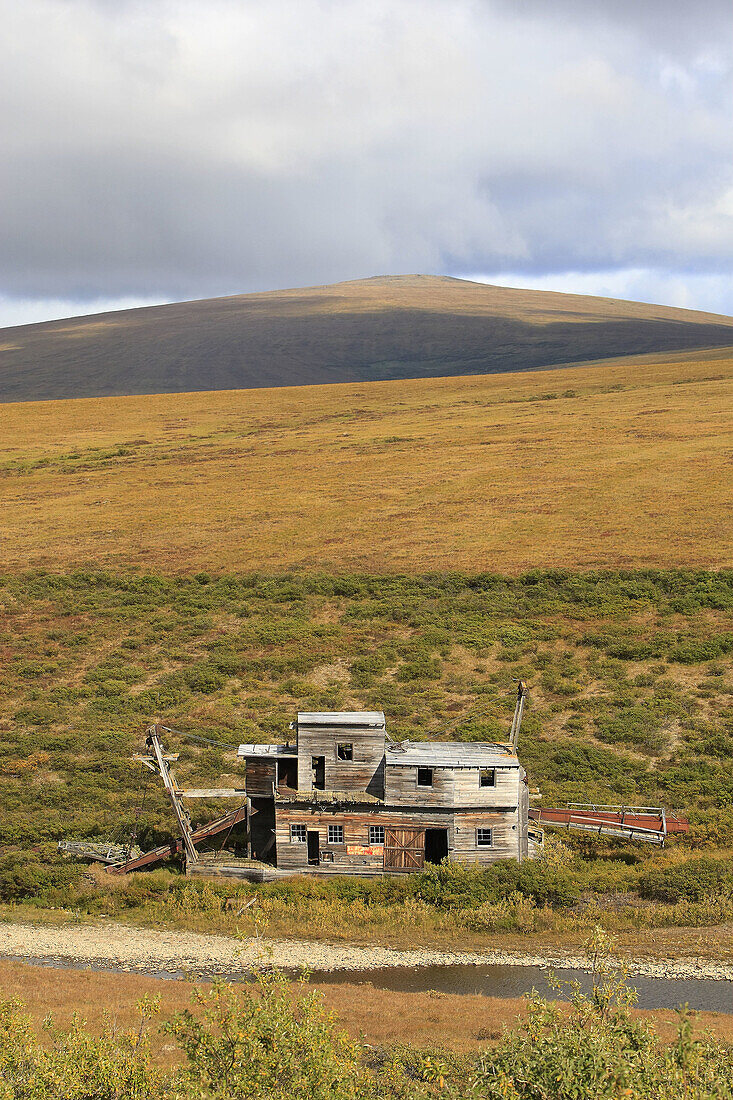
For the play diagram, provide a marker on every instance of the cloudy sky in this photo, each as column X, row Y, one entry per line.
column 155, row 150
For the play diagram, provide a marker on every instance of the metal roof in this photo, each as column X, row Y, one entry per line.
column 450, row 754
column 353, row 718
column 267, row 750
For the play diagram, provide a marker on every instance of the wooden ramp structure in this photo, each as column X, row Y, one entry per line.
column 176, row 847
column 651, row 824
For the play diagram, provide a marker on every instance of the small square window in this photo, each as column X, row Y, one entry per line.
column 344, row 750
column 487, row 777
column 335, row 834
column 376, row 834
column 484, row 838
column 299, row 834
column 424, row 777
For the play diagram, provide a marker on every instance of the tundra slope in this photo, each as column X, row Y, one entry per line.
column 398, row 327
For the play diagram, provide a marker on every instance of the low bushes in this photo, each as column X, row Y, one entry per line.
column 691, row 881
column 458, row 886
column 25, row 877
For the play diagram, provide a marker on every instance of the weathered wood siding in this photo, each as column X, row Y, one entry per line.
column 294, row 855
column 452, row 787
column 505, row 836
column 461, row 828
column 364, row 773
column 523, row 817
column 469, row 792
column 259, row 775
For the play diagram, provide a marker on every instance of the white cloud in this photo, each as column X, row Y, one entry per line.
column 709, row 293
column 160, row 149
column 29, row 311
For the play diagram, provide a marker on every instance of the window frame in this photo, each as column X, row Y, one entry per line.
column 486, row 786
column 482, row 843
column 345, row 745
column 431, row 772
column 335, row 831
column 376, row 829
column 295, row 832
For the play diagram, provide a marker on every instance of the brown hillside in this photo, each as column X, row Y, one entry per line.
column 374, row 329
column 628, row 465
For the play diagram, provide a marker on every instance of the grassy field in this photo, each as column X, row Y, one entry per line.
column 626, row 466
column 411, row 326
column 457, row 1022
column 631, row 701
column 218, row 561
column 629, row 674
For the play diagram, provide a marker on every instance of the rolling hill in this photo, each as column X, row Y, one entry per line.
column 624, row 467
column 396, row 327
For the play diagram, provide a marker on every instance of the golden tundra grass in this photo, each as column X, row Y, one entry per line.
column 622, row 464
column 456, row 1021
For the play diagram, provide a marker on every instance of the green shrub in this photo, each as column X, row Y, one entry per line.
column 74, row 1064
column 691, row 881
column 465, row 886
column 24, row 876
column 596, row 1049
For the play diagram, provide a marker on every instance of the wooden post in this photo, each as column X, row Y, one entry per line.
column 184, row 822
column 518, row 711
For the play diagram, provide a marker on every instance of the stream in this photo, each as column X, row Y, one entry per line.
column 493, row 980
column 515, row 981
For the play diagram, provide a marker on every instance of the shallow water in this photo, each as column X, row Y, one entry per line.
column 488, row 981
column 515, row 981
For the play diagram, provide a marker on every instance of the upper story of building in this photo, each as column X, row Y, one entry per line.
column 349, row 753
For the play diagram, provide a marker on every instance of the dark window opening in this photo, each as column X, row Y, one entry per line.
column 335, row 834
column 436, row 845
column 318, row 764
column 376, row 834
column 424, row 777
column 487, row 777
column 484, row 838
column 287, row 774
column 344, row 750
column 314, row 848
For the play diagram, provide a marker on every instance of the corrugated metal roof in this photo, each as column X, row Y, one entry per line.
column 450, row 754
column 267, row 750
column 355, row 718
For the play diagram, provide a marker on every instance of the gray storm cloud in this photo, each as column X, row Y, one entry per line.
column 175, row 149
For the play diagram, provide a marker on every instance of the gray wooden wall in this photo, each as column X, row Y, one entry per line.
column 451, row 787
column 364, row 773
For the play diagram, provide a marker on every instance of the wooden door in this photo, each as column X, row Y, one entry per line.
column 404, row 849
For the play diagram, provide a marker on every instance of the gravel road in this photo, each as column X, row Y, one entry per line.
column 121, row 947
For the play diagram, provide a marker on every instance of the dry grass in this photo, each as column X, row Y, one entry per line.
column 465, row 473
column 459, row 1022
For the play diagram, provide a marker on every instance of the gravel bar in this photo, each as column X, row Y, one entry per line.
column 122, row 947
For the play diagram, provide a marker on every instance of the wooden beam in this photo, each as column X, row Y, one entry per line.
column 214, row 792
column 184, row 823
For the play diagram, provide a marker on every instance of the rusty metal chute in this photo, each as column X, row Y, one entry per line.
column 646, row 823
column 196, row 836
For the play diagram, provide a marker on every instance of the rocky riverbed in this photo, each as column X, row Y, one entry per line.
column 121, row 947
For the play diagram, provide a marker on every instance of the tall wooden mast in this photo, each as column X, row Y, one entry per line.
column 518, row 712
column 158, row 761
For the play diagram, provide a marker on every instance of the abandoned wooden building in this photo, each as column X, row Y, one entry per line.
column 344, row 797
